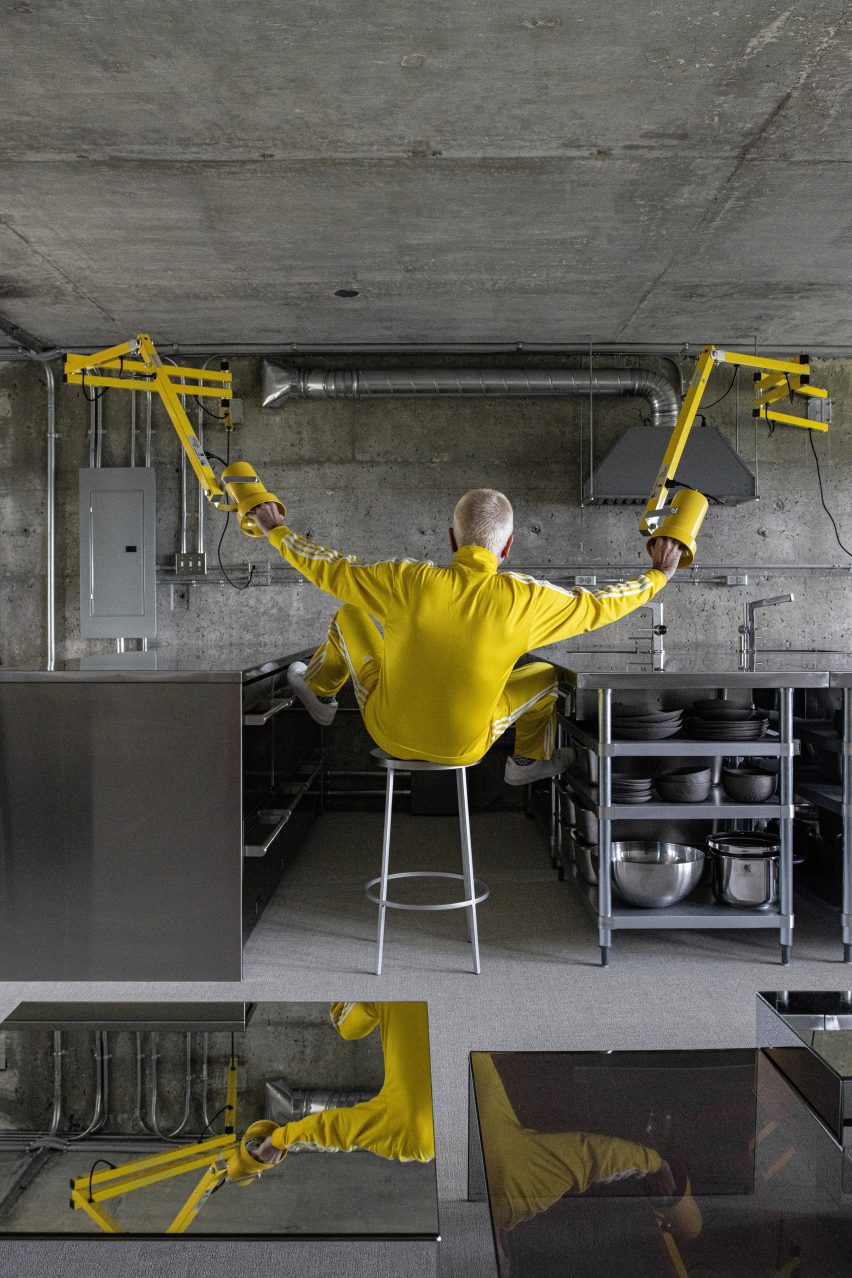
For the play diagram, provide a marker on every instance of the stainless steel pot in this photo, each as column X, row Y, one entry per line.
column 745, row 869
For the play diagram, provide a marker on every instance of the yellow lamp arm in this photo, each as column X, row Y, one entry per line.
column 776, row 379
column 139, row 355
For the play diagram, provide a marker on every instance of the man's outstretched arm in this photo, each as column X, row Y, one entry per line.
column 559, row 613
column 368, row 586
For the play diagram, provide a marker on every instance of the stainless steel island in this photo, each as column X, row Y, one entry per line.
column 148, row 806
column 717, row 672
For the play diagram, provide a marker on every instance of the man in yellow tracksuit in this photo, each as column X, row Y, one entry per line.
column 397, row 1122
column 438, row 682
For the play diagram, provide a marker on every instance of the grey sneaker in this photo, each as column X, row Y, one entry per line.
column 525, row 773
column 320, row 711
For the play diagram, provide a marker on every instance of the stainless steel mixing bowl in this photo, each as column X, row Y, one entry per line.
column 654, row 875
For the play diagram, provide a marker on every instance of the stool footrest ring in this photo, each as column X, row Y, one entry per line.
column 481, row 889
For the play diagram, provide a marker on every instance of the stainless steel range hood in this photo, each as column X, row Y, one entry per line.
column 626, row 474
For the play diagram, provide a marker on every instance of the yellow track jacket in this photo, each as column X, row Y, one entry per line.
column 452, row 636
column 397, row 1122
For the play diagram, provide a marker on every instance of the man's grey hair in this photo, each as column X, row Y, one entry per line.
column 483, row 517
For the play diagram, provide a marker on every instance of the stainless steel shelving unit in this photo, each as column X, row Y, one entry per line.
column 843, row 680
column 694, row 672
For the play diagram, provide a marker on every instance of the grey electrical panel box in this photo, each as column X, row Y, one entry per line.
column 118, row 566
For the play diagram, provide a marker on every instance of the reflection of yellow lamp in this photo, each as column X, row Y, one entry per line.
column 246, row 491
column 688, row 509
column 242, row 1165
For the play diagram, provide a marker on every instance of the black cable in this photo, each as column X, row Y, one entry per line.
column 727, row 392
column 106, row 1163
column 680, row 483
column 210, row 1123
column 822, row 497
column 231, row 583
column 215, row 458
column 217, row 417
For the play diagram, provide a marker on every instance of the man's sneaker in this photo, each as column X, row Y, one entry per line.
column 524, row 773
column 320, row 711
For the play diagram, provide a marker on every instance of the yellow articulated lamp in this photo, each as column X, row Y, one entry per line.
column 135, row 365
column 681, row 515
column 220, row 1158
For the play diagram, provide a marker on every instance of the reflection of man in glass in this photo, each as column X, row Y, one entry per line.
column 529, row 1171
column 397, row 1123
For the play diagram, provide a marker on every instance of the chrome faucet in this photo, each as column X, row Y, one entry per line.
column 656, row 633
column 746, row 630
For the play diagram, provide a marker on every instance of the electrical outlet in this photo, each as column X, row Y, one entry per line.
column 585, row 579
column 736, row 579
column 190, row 564
column 819, row 410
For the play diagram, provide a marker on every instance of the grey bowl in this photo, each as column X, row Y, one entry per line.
column 684, row 785
column 748, row 785
column 655, row 875
column 587, row 824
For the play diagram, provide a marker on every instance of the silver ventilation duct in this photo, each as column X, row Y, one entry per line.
column 626, row 474
column 281, row 384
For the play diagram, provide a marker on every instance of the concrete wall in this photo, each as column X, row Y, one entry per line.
column 380, row 478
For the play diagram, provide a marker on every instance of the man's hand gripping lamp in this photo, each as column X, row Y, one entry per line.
column 135, row 365
column 681, row 516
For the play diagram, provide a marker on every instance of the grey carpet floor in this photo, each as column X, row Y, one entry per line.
column 541, row 985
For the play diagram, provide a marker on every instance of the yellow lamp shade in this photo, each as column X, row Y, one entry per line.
column 687, row 515
column 242, row 1165
column 246, row 491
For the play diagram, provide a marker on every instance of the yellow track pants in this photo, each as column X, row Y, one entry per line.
column 528, row 1170
column 354, row 648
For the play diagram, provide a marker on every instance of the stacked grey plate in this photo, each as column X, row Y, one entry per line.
column 631, row 789
column 629, row 724
column 722, row 721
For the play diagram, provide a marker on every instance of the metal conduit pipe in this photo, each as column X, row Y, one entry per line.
column 93, row 430
column 99, row 418
column 56, row 1117
column 51, row 516
column 281, row 384
column 205, row 1082
column 139, row 1116
column 149, row 426
column 168, row 1136
column 98, row 1116
column 133, row 428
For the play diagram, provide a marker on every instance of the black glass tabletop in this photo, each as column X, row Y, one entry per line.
column 702, row 1163
column 217, row 1120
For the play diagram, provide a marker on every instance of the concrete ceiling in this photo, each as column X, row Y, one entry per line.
column 479, row 170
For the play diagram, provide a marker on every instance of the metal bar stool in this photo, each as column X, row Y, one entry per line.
column 475, row 890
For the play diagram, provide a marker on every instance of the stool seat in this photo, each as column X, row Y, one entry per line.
column 475, row 891
column 414, row 765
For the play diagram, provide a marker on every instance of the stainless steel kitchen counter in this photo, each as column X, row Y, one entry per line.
column 157, row 665
column 124, row 798
column 692, row 668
